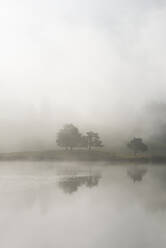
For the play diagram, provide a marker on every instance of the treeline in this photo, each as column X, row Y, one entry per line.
column 70, row 137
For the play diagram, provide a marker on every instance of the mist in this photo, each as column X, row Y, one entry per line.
column 96, row 64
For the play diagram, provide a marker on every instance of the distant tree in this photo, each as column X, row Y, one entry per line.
column 137, row 145
column 69, row 137
column 93, row 140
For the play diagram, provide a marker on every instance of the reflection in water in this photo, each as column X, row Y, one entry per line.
column 71, row 184
column 36, row 208
column 136, row 173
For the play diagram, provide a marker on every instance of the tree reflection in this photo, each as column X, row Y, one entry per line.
column 71, row 184
column 136, row 173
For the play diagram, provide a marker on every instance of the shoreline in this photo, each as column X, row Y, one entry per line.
column 79, row 155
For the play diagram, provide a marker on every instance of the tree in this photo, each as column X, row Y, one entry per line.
column 137, row 145
column 68, row 137
column 93, row 140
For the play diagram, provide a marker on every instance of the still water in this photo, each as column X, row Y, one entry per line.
column 81, row 205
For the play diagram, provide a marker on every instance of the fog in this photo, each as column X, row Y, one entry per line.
column 96, row 64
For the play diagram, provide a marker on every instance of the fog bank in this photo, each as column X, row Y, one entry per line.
column 96, row 64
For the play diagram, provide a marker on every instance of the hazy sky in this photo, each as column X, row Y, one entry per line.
column 81, row 59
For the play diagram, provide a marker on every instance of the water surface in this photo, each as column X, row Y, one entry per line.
column 81, row 205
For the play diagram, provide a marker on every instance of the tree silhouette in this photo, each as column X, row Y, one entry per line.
column 93, row 140
column 69, row 137
column 137, row 145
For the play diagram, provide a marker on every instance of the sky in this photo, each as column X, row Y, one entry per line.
column 85, row 62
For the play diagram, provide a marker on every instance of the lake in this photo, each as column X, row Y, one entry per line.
column 82, row 205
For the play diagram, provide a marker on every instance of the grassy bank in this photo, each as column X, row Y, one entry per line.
column 79, row 155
